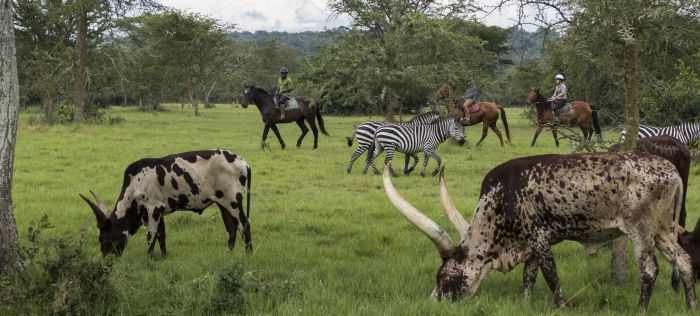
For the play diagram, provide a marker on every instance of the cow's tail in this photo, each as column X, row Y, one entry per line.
column 505, row 123
column 678, row 202
column 249, row 179
column 596, row 125
column 319, row 118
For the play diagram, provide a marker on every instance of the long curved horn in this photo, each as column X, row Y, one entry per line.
column 101, row 204
column 459, row 222
column 99, row 214
column 437, row 235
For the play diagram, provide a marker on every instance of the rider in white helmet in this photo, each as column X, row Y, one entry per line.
column 559, row 97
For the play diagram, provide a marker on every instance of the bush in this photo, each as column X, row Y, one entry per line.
column 228, row 294
column 59, row 278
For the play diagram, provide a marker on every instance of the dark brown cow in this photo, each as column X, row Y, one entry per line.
column 155, row 187
column 672, row 150
column 528, row 204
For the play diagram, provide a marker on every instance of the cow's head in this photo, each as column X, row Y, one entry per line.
column 460, row 274
column 111, row 240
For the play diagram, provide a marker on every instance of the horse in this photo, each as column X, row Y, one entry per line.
column 271, row 115
column 581, row 113
column 488, row 113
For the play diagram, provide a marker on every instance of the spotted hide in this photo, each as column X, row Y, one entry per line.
column 155, row 187
column 528, row 204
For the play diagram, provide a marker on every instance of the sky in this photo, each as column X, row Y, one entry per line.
column 292, row 15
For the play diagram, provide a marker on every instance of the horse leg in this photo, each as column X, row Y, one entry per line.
column 498, row 132
column 266, row 129
column 279, row 137
column 431, row 153
column 556, row 138
column 406, row 169
column 389, row 157
column 304, row 130
column 484, row 132
column 355, row 155
column 314, row 129
column 537, row 133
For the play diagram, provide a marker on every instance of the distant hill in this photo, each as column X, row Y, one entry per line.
column 305, row 43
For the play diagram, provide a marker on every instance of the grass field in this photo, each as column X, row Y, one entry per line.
column 326, row 242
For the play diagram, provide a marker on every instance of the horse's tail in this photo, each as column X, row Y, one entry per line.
column 350, row 138
column 505, row 123
column 596, row 125
column 319, row 118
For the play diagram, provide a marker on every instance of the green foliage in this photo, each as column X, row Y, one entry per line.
column 59, row 278
column 677, row 101
column 228, row 293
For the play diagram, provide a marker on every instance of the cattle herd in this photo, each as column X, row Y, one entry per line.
column 525, row 206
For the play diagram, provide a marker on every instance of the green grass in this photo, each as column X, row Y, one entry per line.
column 326, row 242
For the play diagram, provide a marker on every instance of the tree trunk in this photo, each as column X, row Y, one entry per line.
column 81, row 55
column 47, row 100
column 190, row 91
column 206, row 97
column 388, row 100
column 10, row 260
column 619, row 264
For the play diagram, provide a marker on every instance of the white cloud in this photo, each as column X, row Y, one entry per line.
column 254, row 15
column 308, row 12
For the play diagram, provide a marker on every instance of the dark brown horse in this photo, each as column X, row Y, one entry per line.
column 271, row 115
column 581, row 113
column 488, row 113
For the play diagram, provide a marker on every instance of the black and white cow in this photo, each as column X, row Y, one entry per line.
column 530, row 203
column 155, row 187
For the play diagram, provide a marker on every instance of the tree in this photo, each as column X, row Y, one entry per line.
column 387, row 25
column 10, row 260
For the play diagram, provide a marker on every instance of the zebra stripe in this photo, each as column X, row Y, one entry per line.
column 365, row 136
column 686, row 133
column 411, row 140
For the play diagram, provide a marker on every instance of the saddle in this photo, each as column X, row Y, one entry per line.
column 291, row 104
column 563, row 110
column 474, row 107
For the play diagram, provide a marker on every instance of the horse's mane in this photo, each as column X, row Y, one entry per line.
column 259, row 90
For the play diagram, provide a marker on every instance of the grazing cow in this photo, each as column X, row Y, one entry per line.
column 672, row 150
column 528, row 204
column 154, row 187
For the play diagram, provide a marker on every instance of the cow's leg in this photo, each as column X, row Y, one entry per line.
column 244, row 228
column 161, row 237
column 529, row 275
column 676, row 255
column 277, row 133
column 389, row 156
column 304, row 130
column 648, row 267
column 355, row 155
column 231, row 223
column 151, row 235
column 537, row 133
column 543, row 253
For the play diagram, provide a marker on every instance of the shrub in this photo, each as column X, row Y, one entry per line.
column 228, row 293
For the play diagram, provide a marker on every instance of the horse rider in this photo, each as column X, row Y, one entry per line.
column 284, row 87
column 558, row 99
column 470, row 98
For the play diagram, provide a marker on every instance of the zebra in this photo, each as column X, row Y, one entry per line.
column 411, row 140
column 365, row 137
column 686, row 132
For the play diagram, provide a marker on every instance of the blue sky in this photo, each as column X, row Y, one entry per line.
column 292, row 15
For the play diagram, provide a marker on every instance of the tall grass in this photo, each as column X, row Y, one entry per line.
column 326, row 242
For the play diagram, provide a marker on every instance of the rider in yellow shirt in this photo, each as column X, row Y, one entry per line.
column 284, row 87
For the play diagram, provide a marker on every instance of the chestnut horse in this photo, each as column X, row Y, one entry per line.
column 488, row 113
column 271, row 115
column 580, row 113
